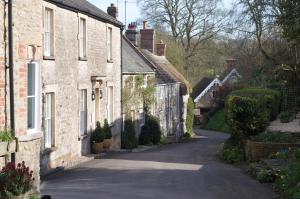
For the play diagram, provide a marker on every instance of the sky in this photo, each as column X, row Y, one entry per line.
column 133, row 12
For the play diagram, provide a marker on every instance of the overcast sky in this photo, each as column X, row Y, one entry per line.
column 133, row 12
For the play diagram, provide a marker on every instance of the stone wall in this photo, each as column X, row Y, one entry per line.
column 65, row 75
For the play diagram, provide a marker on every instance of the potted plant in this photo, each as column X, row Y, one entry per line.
column 7, row 142
column 16, row 181
column 108, row 135
column 97, row 139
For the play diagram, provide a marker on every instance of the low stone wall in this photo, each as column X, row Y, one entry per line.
column 257, row 150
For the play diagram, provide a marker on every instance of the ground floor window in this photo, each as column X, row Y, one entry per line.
column 83, row 112
column 110, row 104
column 49, row 120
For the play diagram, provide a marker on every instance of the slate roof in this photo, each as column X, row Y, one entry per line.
column 167, row 73
column 87, row 8
column 201, row 86
column 133, row 60
column 225, row 73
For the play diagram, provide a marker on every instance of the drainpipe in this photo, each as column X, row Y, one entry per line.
column 122, row 121
column 11, row 71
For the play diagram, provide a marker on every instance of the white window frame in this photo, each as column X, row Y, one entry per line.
column 82, row 37
column 109, row 44
column 49, row 139
column 83, row 110
column 36, row 96
column 110, row 104
column 48, row 32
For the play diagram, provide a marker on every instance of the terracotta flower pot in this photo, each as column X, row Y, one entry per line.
column 97, row 147
column 107, row 143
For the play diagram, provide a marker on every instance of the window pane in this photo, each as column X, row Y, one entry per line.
column 83, row 112
column 31, row 113
column 31, row 80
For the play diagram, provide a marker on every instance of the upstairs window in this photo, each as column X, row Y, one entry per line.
column 109, row 44
column 49, row 33
column 82, row 38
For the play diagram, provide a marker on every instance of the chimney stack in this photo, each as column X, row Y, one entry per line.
column 230, row 63
column 147, row 38
column 161, row 48
column 132, row 33
column 112, row 11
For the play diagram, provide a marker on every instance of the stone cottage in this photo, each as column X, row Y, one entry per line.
column 80, row 76
column 138, row 80
column 67, row 76
column 22, row 53
column 172, row 89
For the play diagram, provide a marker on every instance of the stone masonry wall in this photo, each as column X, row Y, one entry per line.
column 66, row 75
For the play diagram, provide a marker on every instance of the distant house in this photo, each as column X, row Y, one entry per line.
column 205, row 92
column 172, row 89
column 138, row 74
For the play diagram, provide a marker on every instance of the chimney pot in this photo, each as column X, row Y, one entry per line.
column 161, row 48
column 132, row 33
column 145, row 25
column 112, row 10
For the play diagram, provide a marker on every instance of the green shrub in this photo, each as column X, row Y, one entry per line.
column 190, row 117
column 107, row 130
column 218, row 122
column 286, row 116
column 289, row 181
column 145, row 135
column 274, row 137
column 297, row 154
column 98, row 134
column 270, row 98
column 284, row 155
column 6, row 136
column 246, row 117
column 150, row 132
column 129, row 140
column 266, row 175
column 165, row 141
column 232, row 154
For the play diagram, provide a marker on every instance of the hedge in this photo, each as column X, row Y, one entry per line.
column 246, row 116
column 270, row 98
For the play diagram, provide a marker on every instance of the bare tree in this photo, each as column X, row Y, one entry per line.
column 190, row 22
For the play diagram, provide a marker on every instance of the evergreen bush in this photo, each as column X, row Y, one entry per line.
column 98, row 134
column 129, row 140
column 107, row 130
column 190, row 117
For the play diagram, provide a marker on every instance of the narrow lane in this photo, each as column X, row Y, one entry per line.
column 185, row 171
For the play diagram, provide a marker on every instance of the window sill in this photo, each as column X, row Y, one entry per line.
column 82, row 137
column 82, row 58
column 110, row 61
column 49, row 58
column 49, row 150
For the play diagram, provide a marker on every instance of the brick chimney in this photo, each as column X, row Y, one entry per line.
column 112, row 11
column 147, row 38
column 161, row 48
column 132, row 33
column 230, row 63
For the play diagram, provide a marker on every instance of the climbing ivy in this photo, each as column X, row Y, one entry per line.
column 136, row 93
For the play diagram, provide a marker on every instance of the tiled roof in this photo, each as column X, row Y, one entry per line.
column 133, row 60
column 87, row 8
column 167, row 72
column 200, row 86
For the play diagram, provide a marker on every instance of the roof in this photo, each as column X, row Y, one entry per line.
column 200, row 86
column 133, row 60
column 87, row 8
column 209, row 82
column 227, row 73
column 166, row 72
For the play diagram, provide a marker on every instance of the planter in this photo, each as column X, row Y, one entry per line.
column 257, row 150
column 107, row 143
column 7, row 148
column 97, row 147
